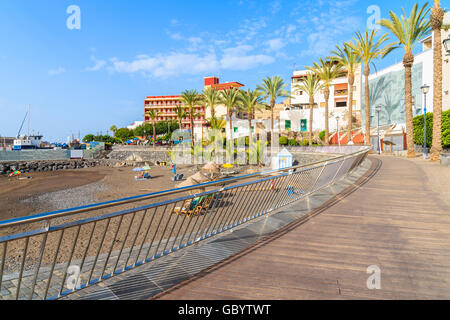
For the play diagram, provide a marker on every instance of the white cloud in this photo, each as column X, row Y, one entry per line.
column 275, row 6
column 237, row 58
column 54, row 72
column 99, row 64
column 176, row 36
column 276, row 44
column 163, row 66
column 176, row 63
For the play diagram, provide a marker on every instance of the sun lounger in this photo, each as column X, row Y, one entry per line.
column 145, row 176
column 195, row 206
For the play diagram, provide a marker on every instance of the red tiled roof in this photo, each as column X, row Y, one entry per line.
column 163, row 97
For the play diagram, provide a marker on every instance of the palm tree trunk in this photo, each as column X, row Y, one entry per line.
column 408, row 62
column 311, row 113
column 250, row 130
column 351, row 81
column 191, row 116
column 436, row 18
column 367, row 103
column 327, row 126
column 272, row 135
column 230, row 115
column 154, row 134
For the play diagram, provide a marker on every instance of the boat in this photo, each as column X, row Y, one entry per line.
column 24, row 142
column 27, row 142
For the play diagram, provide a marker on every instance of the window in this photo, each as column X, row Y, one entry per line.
column 235, row 129
column 287, row 124
column 303, row 125
column 342, row 104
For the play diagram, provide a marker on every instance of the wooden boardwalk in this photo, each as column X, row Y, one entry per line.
column 396, row 221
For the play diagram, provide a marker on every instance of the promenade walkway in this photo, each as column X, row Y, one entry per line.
column 398, row 220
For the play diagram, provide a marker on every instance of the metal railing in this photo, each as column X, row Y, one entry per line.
column 51, row 255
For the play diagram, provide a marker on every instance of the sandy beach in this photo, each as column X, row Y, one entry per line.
column 50, row 191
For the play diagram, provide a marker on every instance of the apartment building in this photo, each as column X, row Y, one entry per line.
column 166, row 106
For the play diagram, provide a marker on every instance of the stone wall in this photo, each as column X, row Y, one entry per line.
column 44, row 166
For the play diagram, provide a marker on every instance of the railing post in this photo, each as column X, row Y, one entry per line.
column 337, row 171
column 318, row 177
column 278, row 196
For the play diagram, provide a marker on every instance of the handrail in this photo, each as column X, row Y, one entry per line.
column 107, row 204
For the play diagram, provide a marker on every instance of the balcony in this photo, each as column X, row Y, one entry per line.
column 341, row 93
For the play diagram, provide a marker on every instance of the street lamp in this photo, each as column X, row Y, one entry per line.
column 378, row 109
column 425, row 90
column 338, row 135
column 446, row 43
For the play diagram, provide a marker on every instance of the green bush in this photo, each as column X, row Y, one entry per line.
column 305, row 142
column 293, row 142
column 322, row 135
column 418, row 123
column 283, row 141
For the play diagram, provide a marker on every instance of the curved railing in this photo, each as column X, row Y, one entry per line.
column 51, row 255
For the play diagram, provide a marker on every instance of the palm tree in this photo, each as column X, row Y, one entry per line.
column 327, row 71
column 409, row 31
column 191, row 99
column 216, row 123
column 211, row 98
column 368, row 49
column 310, row 85
column 113, row 129
column 436, row 21
column 153, row 114
column 349, row 60
column 250, row 101
column 181, row 113
column 230, row 98
column 273, row 88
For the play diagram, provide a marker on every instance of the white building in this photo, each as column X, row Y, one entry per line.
column 387, row 86
column 296, row 118
column 135, row 125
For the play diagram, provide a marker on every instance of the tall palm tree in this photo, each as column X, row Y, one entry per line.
column 409, row 31
column 251, row 101
column 327, row 71
column 153, row 114
column 211, row 98
column 436, row 21
column 230, row 98
column 191, row 99
column 368, row 48
column 181, row 113
column 349, row 60
column 310, row 85
column 273, row 88
column 113, row 129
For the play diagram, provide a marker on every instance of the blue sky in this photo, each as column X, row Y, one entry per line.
column 89, row 79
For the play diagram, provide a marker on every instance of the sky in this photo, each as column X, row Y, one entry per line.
column 84, row 73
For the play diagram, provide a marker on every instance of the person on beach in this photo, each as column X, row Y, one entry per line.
column 174, row 170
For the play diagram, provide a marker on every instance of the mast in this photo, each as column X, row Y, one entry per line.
column 29, row 121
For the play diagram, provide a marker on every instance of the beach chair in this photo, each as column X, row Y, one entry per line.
column 204, row 206
column 188, row 207
column 193, row 207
